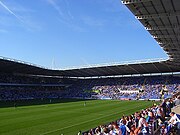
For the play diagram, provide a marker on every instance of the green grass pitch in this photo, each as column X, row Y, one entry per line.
column 65, row 118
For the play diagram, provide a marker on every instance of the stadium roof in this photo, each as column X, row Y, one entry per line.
column 161, row 18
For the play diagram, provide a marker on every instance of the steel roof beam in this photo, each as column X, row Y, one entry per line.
column 166, row 36
column 126, row 2
column 112, row 70
column 171, row 49
column 133, row 69
column 77, row 73
column 166, row 65
column 144, row 67
column 168, row 42
column 160, row 15
column 86, row 72
column 91, row 70
column 163, row 27
column 156, row 67
column 102, row 70
column 167, row 45
column 121, row 69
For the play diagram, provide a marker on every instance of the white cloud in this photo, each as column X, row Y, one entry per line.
column 26, row 20
column 62, row 8
column 63, row 11
column 68, row 9
column 65, row 16
column 11, row 12
column 56, row 7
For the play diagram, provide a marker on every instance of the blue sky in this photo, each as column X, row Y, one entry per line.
column 73, row 33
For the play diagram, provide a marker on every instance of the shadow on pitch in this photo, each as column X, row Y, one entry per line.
column 19, row 103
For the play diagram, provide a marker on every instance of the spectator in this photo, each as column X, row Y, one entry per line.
column 123, row 128
column 142, row 128
column 132, row 131
column 174, row 122
column 144, row 121
column 163, row 130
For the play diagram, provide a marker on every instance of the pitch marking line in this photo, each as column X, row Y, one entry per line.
column 84, row 122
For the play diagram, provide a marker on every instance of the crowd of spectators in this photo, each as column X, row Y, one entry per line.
column 22, row 93
column 149, row 87
column 18, row 87
column 144, row 87
column 141, row 123
column 20, row 79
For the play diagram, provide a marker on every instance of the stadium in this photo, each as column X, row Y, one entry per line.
column 98, row 99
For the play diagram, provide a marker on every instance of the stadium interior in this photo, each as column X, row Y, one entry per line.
column 160, row 19
column 151, row 79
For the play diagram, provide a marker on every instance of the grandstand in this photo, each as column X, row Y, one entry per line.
column 160, row 19
column 147, row 79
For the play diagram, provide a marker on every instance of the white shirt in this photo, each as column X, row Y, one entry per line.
column 142, row 123
column 174, row 119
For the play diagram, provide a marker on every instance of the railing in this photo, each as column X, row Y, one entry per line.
column 154, row 127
